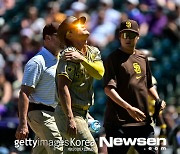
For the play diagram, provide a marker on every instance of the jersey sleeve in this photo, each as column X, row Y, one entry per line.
column 66, row 68
column 149, row 75
column 109, row 76
column 32, row 74
column 96, row 54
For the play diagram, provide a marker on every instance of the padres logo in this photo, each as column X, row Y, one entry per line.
column 69, row 69
column 128, row 24
column 137, row 68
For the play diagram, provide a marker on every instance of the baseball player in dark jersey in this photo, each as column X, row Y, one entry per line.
column 128, row 81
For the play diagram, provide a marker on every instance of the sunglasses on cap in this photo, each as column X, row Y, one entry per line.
column 77, row 25
column 129, row 34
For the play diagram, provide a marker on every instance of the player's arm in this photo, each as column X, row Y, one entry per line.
column 32, row 75
column 151, row 89
column 94, row 68
column 64, row 94
column 65, row 102
column 23, row 104
column 111, row 92
column 153, row 93
column 134, row 112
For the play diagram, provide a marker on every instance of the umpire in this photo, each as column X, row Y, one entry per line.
column 128, row 81
column 80, row 63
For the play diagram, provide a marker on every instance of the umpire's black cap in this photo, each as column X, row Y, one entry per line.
column 68, row 24
column 129, row 25
column 50, row 29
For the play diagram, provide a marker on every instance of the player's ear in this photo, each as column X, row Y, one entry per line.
column 47, row 37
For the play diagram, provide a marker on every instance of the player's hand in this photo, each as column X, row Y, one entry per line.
column 163, row 105
column 137, row 114
column 73, row 56
column 22, row 132
column 71, row 129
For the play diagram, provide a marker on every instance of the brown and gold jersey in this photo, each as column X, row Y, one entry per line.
column 81, row 87
column 130, row 75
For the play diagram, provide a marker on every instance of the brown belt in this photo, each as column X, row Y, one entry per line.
column 34, row 106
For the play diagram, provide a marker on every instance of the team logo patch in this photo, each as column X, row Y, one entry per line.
column 137, row 68
column 128, row 24
column 69, row 69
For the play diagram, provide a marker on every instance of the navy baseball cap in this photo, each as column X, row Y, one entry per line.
column 129, row 25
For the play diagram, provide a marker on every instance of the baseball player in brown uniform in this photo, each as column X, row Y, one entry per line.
column 128, row 81
column 78, row 66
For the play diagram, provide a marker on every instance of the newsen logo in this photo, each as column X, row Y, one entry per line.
column 130, row 142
